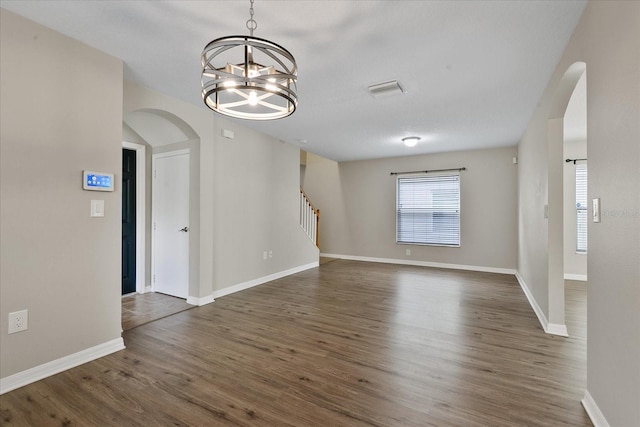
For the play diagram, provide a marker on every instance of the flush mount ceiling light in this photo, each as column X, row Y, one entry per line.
column 249, row 78
column 410, row 141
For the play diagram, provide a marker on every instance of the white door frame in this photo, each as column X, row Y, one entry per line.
column 141, row 228
column 153, row 214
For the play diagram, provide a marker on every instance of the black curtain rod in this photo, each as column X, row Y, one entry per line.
column 573, row 160
column 434, row 170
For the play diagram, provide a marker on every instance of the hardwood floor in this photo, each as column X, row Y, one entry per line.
column 345, row 344
column 139, row 309
column 576, row 308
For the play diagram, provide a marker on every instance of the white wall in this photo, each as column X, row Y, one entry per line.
column 60, row 113
column 607, row 39
column 575, row 264
column 357, row 207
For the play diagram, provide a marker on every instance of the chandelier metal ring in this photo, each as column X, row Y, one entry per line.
column 248, row 77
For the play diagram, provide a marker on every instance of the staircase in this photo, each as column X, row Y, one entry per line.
column 309, row 218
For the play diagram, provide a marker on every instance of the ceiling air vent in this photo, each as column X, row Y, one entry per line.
column 385, row 89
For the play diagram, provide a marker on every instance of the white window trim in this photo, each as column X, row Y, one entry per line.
column 432, row 174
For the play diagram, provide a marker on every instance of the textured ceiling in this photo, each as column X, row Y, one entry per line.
column 473, row 71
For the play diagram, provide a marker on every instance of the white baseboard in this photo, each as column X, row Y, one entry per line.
column 549, row 328
column 596, row 416
column 37, row 373
column 578, row 277
column 557, row 329
column 259, row 281
column 200, row 301
column 423, row 263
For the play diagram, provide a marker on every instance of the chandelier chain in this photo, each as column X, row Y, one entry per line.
column 251, row 23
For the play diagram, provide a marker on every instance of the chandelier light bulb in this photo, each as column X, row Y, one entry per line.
column 253, row 98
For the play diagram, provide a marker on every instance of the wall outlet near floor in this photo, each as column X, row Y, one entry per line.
column 407, row 252
column 18, row 321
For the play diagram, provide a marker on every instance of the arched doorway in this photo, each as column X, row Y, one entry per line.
column 162, row 132
column 556, row 196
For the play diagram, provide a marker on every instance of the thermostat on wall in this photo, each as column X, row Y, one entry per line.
column 97, row 181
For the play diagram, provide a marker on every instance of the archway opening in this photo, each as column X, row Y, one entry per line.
column 567, row 115
column 149, row 132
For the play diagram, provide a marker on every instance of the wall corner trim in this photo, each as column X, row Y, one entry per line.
column 557, row 329
column 595, row 414
column 549, row 328
column 578, row 277
column 259, row 281
column 48, row 369
column 423, row 263
column 200, row 301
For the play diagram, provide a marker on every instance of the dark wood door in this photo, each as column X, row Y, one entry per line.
column 128, row 221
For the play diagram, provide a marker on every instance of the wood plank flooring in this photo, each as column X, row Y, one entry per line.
column 138, row 309
column 345, row 344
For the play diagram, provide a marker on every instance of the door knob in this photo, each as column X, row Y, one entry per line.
column 185, row 229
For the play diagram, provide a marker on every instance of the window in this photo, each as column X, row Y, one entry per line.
column 581, row 208
column 428, row 210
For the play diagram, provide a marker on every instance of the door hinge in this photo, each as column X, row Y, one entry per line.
column 155, row 173
column 154, row 226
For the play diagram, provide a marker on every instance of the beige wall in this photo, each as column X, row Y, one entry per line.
column 607, row 39
column 357, row 204
column 246, row 197
column 257, row 186
column 63, row 266
column 61, row 112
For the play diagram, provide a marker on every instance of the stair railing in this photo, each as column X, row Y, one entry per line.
column 309, row 218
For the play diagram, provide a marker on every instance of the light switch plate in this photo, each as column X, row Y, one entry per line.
column 596, row 209
column 97, row 208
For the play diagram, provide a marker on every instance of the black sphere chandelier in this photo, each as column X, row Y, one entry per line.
column 249, row 78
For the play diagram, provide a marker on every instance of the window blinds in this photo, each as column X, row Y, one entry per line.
column 581, row 207
column 428, row 210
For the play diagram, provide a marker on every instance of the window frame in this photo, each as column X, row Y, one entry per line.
column 431, row 176
column 584, row 210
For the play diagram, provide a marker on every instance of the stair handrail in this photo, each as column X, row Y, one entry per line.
column 312, row 230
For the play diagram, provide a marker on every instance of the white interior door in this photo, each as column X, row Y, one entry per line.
column 171, row 223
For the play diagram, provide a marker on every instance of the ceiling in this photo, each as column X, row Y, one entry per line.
column 472, row 71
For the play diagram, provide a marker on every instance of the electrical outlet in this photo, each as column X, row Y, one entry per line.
column 407, row 252
column 18, row 321
column 270, row 254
